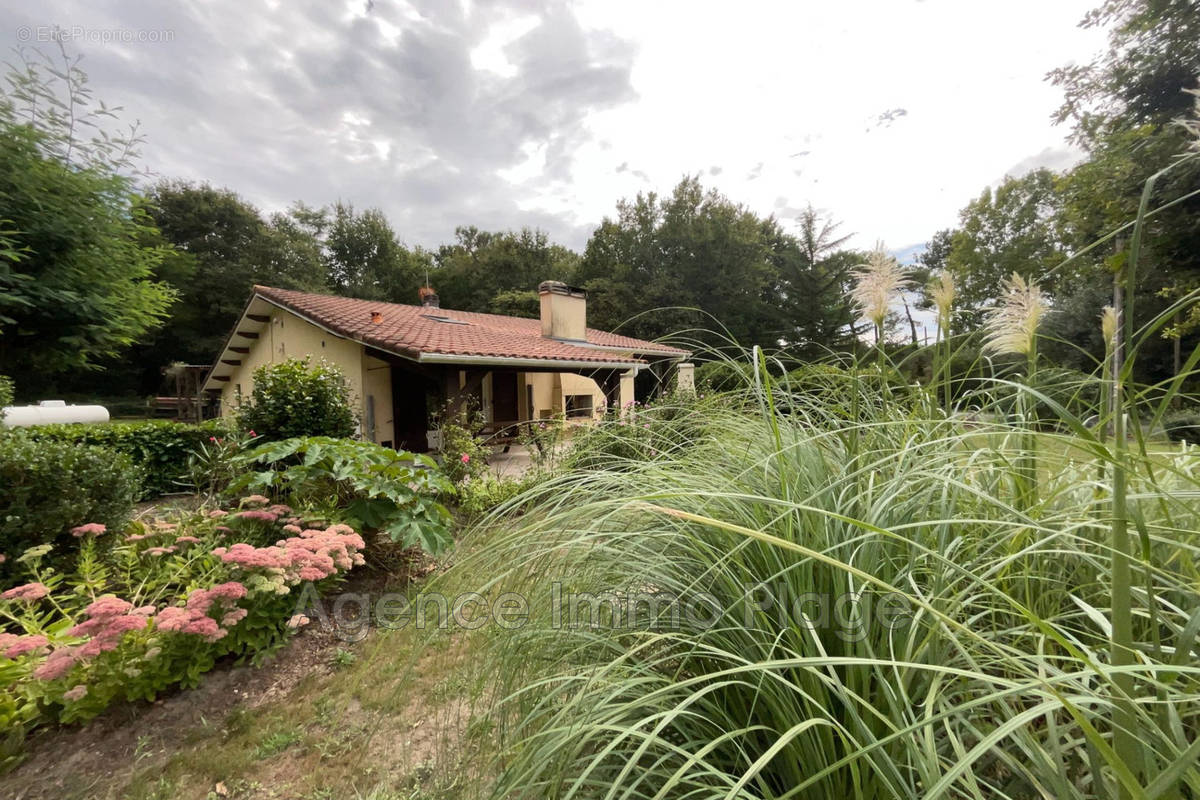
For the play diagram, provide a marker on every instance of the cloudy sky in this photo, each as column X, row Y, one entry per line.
column 888, row 114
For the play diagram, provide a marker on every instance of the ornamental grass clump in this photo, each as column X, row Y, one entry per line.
column 1011, row 328
column 767, row 615
column 943, row 293
column 877, row 284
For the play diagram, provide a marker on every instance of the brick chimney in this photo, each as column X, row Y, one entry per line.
column 428, row 296
column 564, row 311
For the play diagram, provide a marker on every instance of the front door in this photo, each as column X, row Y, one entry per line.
column 410, row 414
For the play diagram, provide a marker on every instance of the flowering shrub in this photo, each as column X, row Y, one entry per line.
column 295, row 398
column 156, row 605
column 542, row 439
column 464, row 454
column 370, row 486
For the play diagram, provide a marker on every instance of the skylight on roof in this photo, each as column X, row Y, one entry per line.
column 447, row 320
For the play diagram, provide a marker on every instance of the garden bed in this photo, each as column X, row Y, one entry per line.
column 312, row 722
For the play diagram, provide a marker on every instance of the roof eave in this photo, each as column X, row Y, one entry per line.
column 511, row 361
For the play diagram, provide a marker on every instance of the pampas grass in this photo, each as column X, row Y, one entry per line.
column 1012, row 324
column 877, row 283
column 992, row 678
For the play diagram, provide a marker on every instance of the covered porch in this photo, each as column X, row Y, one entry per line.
column 401, row 397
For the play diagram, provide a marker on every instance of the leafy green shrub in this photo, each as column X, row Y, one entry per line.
column 479, row 497
column 159, row 448
column 367, row 485
column 723, row 376
column 294, row 398
column 48, row 487
column 155, row 606
column 1183, row 426
column 639, row 433
column 6, row 394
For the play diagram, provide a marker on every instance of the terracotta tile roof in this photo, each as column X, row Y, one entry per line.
column 414, row 331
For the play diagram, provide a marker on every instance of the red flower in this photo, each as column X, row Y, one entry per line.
column 466, row 459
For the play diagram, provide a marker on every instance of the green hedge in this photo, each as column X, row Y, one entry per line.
column 158, row 447
column 1183, row 426
column 49, row 487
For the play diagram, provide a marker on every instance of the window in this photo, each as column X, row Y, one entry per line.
column 579, row 406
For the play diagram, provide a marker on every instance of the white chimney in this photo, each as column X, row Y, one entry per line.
column 564, row 311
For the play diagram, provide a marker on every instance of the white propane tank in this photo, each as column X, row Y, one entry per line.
column 50, row 411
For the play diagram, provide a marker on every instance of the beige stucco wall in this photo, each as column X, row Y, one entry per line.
column 550, row 389
column 377, row 387
column 287, row 336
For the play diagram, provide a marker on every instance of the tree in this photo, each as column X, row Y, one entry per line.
column 486, row 271
column 1125, row 107
column 365, row 259
column 81, row 252
column 814, row 281
column 224, row 239
column 1141, row 79
column 1011, row 229
column 697, row 262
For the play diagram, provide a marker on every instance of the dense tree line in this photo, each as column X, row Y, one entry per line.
column 105, row 279
column 1125, row 109
column 167, row 272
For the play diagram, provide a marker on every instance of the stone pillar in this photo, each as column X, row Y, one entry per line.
column 685, row 377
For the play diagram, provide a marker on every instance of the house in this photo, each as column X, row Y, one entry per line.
column 404, row 362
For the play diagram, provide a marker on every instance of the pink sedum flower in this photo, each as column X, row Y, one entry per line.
column 234, row 617
column 26, row 644
column 466, row 459
column 75, row 693
column 90, row 529
column 56, row 665
column 108, row 606
column 258, row 515
column 29, row 592
column 205, row 627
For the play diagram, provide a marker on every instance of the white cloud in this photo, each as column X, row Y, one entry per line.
column 890, row 114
